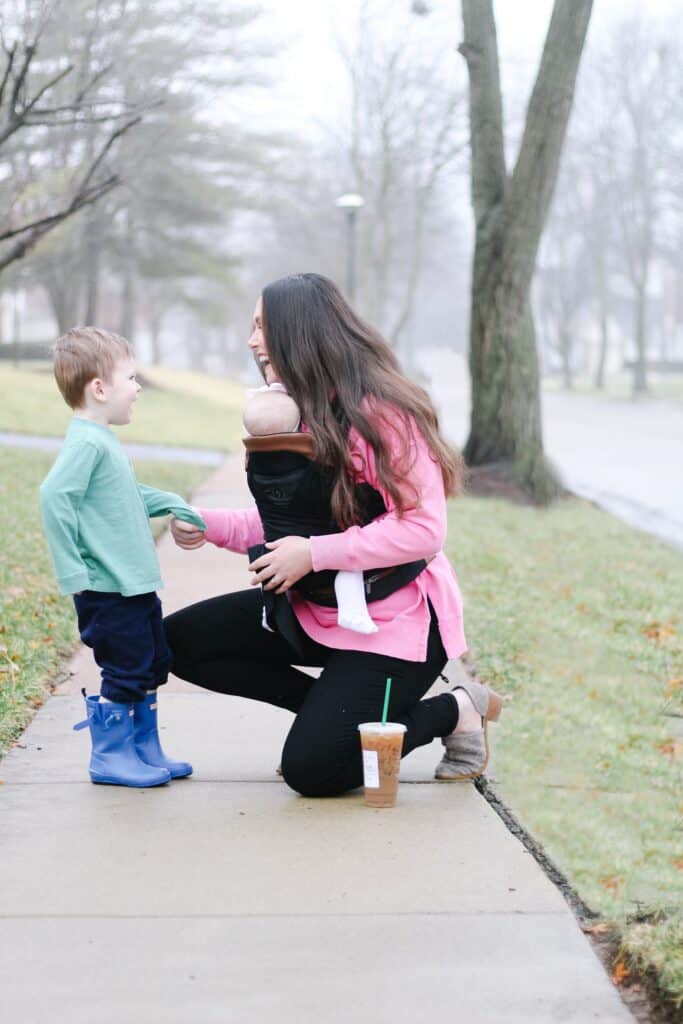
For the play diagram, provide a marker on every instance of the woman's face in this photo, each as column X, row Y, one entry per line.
column 257, row 344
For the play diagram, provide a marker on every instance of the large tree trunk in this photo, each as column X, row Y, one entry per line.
column 509, row 214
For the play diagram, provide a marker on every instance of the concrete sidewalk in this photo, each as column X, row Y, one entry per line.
column 227, row 898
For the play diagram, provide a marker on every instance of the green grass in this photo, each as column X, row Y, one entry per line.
column 178, row 408
column 579, row 618
column 37, row 626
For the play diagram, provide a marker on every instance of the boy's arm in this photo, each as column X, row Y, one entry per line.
column 61, row 494
column 165, row 503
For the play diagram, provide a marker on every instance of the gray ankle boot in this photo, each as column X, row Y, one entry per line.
column 466, row 754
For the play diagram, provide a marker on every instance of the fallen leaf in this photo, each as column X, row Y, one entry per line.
column 620, row 973
column 612, row 883
column 659, row 631
column 596, row 929
column 673, row 686
column 678, row 863
column 671, row 748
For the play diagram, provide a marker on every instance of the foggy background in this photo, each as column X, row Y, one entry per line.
column 241, row 125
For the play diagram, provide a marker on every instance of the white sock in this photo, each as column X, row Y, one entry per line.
column 352, row 609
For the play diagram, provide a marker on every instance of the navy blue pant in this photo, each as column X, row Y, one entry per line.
column 127, row 638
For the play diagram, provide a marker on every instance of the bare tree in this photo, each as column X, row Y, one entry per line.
column 37, row 107
column 406, row 134
column 510, row 211
column 642, row 69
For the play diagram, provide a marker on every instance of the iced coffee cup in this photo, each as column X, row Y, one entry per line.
column 382, row 744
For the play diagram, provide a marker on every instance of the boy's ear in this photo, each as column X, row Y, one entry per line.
column 96, row 389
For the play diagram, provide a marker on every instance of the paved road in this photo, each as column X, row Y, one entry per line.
column 625, row 456
column 162, row 452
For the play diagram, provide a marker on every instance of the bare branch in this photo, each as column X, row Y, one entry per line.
column 106, row 147
column 28, row 107
column 29, row 54
column 82, row 198
column 10, row 55
column 40, row 228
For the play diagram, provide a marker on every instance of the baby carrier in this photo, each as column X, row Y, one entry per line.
column 293, row 496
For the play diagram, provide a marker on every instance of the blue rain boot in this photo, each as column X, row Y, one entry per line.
column 147, row 741
column 114, row 758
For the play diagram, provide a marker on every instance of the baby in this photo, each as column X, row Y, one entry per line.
column 270, row 410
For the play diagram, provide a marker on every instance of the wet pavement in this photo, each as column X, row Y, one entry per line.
column 625, row 456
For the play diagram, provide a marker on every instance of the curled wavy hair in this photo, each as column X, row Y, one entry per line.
column 322, row 350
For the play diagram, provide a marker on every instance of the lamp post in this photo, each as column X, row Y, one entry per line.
column 350, row 203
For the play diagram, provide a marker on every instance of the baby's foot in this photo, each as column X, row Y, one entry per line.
column 358, row 623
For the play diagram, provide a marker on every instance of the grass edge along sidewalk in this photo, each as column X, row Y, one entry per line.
column 37, row 626
column 577, row 616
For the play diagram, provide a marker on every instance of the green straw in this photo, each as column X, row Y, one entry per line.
column 386, row 701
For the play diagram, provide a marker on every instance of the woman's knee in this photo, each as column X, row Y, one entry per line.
column 310, row 775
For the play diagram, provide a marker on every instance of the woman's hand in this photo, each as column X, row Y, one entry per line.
column 286, row 562
column 186, row 535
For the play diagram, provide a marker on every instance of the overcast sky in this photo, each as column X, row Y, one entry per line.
column 307, row 73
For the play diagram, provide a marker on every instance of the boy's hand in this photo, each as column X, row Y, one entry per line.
column 287, row 561
column 186, row 535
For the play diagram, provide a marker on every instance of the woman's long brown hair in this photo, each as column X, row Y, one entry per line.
column 320, row 348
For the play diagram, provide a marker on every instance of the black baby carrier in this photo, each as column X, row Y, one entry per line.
column 293, row 496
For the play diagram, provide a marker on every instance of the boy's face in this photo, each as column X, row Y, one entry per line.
column 120, row 392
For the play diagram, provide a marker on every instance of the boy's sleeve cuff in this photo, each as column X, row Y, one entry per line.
column 214, row 524
column 190, row 514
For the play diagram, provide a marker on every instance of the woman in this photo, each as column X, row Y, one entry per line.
column 374, row 433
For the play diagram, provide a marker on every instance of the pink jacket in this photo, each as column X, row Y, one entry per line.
column 403, row 617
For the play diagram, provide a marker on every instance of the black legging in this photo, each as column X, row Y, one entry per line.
column 221, row 645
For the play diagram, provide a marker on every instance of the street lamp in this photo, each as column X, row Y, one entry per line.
column 351, row 203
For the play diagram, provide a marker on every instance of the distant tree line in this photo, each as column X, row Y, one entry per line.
column 120, row 174
column 610, row 275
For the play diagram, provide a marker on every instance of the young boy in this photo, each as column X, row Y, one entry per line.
column 96, row 519
column 270, row 410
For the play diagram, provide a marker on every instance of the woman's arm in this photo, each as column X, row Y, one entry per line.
column 234, row 529
column 419, row 533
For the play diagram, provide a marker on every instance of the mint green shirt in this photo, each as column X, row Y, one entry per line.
column 96, row 516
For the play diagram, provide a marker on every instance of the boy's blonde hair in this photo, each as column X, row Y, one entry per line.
column 84, row 353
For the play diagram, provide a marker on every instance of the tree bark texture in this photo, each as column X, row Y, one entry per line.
column 510, row 212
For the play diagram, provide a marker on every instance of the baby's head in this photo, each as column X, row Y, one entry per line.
column 95, row 369
column 270, row 412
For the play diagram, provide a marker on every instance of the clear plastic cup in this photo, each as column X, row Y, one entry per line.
column 382, row 746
